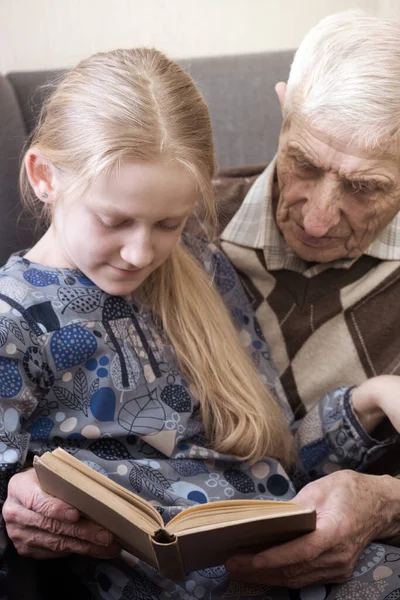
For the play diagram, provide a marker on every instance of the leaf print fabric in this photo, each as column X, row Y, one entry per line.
column 7, row 326
column 10, row 378
column 177, row 398
column 143, row 416
column 72, row 346
column 93, row 374
column 40, row 278
column 81, row 300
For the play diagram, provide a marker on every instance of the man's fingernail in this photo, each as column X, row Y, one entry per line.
column 104, row 537
column 259, row 563
column 70, row 514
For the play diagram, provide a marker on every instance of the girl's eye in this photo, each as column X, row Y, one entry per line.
column 167, row 227
column 110, row 225
column 119, row 225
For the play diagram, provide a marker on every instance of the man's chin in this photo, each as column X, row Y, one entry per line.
column 312, row 254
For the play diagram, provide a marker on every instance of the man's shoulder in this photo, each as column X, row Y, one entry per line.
column 230, row 186
column 371, row 277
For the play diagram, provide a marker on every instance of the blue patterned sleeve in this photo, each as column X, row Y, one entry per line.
column 330, row 436
column 23, row 377
column 22, row 374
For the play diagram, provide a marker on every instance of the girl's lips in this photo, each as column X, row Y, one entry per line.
column 126, row 272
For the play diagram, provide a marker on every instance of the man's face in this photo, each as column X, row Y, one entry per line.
column 334, row 198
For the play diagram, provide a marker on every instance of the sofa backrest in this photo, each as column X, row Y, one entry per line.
column 238, row 89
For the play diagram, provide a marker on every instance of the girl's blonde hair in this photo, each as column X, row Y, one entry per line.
column 130, row 105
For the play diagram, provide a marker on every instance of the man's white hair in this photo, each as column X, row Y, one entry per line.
column 345, row 79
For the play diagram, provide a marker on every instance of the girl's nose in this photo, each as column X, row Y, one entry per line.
column 138, row 251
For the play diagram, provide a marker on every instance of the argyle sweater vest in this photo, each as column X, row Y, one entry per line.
column 337, row 328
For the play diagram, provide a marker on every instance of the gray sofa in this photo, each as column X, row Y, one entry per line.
column 239, row 91
column 246, row 121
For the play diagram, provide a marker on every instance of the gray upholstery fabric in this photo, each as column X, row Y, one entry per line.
column 238, row 89
column 244, row 108
column 30, row 91
column 12, row 136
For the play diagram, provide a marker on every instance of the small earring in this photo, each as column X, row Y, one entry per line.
column 44, row 195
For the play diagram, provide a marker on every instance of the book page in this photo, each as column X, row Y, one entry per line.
column 211, row 545
column 205, row 516
column 97, row 485
column 111, row 485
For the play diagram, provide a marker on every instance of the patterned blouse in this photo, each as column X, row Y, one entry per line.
column 93, row 374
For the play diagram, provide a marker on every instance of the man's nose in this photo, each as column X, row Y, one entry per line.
column 138, row 250
column 321, row 211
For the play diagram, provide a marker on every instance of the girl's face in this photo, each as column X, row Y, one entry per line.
column 126, row 225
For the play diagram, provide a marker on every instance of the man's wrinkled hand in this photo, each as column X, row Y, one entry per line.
column 41, row 526
column 352, row 510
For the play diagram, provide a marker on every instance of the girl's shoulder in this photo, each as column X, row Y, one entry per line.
column 48, row 297
column 198, row 246
column 207, row 253
column 221, row 271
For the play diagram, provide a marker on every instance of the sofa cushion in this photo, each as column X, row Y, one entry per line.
column 31, row 89
column 230, row 187
column 15, row 230
column 245, row 112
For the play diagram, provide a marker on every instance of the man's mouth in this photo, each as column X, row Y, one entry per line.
column 310, row 240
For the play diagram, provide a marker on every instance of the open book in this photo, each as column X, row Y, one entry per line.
column 200, row 536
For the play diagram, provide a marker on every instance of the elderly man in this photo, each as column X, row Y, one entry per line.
column 317, row 240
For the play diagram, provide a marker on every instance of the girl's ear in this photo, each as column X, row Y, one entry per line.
column 41, row 175
column 280, row 89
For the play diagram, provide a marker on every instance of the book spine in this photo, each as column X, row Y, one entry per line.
column 166, row 549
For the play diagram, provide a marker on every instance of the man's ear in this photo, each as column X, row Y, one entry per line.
column 41, row 175
column 280, row 90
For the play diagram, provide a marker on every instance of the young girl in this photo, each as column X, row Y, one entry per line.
column 116, row 345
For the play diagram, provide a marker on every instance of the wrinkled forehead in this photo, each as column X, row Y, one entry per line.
column 299, row 134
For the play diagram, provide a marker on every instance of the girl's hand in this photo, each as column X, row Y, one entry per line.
column 41, row 526
column 377, row 398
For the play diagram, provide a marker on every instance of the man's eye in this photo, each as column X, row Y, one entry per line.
column 362, row 187
column 305, row 166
